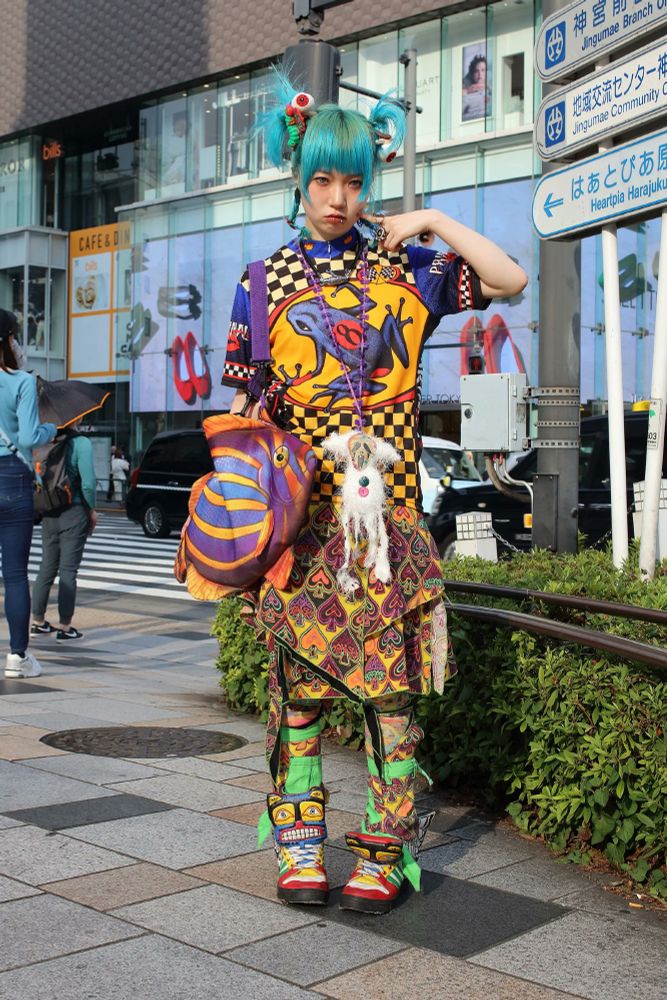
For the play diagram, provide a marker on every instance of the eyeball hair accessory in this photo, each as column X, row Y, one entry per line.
column 298, row 109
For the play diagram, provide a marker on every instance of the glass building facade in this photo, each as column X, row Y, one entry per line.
column 193, row 181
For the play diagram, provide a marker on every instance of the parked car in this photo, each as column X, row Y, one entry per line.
column 159, row 489
column 594, row 489
column 444, row 458
column 157, row 497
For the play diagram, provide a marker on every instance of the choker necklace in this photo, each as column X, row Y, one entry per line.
column 332, row 277
column 362, row 456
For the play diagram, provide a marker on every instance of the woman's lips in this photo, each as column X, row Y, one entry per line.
column 335, row 218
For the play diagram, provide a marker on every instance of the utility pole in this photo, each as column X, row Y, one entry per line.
column 409, row 60
column 556, row 485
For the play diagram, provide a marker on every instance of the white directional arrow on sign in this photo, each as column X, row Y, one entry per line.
column 625, row 181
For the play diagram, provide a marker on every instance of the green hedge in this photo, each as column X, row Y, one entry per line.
column 571, row 741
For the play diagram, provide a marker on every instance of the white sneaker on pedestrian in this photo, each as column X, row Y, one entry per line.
column 22, row 666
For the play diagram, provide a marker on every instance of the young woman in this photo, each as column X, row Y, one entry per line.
column 20, row 432
column 361, row 618
column 64, row 538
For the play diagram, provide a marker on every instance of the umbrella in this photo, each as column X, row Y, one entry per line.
column 63, row 402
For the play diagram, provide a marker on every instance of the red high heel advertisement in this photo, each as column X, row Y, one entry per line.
column 192, row 376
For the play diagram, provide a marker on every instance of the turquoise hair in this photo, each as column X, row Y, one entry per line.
column 336, row 139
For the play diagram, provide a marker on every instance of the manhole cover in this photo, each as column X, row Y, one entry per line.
column 142, row 741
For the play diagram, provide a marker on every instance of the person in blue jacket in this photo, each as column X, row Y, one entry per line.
column 63, row 541
column 20, row 432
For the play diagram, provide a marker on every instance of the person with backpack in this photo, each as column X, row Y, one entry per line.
column 69, row 488
column 20, row 432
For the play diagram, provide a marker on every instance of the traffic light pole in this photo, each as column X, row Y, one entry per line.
column 556, row 486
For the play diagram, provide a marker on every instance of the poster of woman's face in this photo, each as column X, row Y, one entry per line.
column 476, row 86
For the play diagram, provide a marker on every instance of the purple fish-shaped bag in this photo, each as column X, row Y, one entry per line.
column 246, row 514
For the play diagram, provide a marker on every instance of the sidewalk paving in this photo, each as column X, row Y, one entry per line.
column 139, row 877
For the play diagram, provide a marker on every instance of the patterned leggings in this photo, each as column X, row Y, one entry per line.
column 392, row 737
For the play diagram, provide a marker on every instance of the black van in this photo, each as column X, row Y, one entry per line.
column 594, row 489
column 159, row 489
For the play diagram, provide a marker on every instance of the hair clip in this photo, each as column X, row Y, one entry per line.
column 381, row 140
column 299, row 108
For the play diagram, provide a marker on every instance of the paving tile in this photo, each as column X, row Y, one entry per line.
column 54, row 721
column 250, row 730
column 136, row 969
column 23, row 787
column 214, row 918
column 13, row 687
column 242, row 753
column 90, row 767
column 35, row 856
column 67, row 814
column 199, row 768
column 600, row 957
column 188, row 792
column 110, row 710
column 452, row 916
column 432, row 975
column 248, row 814
column 7, row 824
column 11, row 889
column 19, row 747
column 312, row 953
column 469, row 858
column 44, row 927
column 122, row 886
column 539, row 878
column 257, row 873
column 253, row 779
column 176, row 839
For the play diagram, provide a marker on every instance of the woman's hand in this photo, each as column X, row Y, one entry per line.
column 499, row 275
column 399, row 228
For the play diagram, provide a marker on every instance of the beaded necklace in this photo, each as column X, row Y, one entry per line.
column 314, row 281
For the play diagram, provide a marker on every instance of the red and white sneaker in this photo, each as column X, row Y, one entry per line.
column 299, row 832
column 376, row 881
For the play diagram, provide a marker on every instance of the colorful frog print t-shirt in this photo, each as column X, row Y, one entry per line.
column 408, row 292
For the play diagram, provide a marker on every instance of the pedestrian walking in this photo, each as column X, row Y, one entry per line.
column 119, row 470
column 351, row 304
column 20, row 432
column 64, row 538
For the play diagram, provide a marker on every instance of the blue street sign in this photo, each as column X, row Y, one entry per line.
column 587, row 29
column 629, row 92
column 626, row 181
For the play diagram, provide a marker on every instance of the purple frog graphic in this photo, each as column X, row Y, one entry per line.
column 306, row 319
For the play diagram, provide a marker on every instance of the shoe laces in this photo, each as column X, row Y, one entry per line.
column 372, row 868
column 305, row 855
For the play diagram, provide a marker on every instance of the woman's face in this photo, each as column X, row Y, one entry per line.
column 334, row 204
column 479, row 74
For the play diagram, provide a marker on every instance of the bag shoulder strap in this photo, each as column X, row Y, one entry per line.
column 9, row 444
column 260, row 348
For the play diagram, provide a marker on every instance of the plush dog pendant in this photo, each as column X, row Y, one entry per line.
column 363, row 459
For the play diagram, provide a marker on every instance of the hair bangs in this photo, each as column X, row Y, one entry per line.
column 337, row 140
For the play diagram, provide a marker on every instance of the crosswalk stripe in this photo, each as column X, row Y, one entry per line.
column 119, row 558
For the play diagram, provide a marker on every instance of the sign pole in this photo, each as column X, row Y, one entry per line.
column 559, row 364
column 615, row 414
column 656, row 421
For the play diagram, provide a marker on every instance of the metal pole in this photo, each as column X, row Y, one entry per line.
column 556, row 509
column 656, row 422
column 409, row 61
column 614, row 367
column 615, row 414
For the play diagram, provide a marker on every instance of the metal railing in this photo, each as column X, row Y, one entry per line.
column 629, row 649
